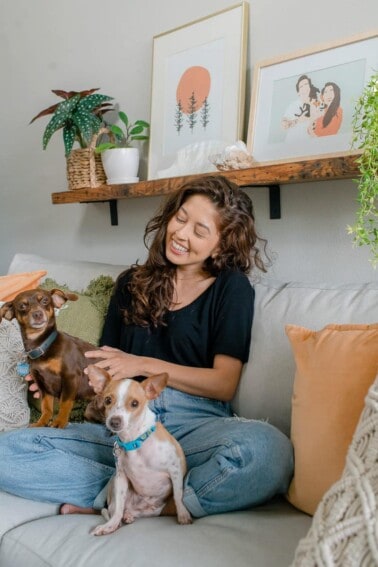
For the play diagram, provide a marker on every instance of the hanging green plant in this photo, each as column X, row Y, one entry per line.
column 365, row 137
column 79, row 114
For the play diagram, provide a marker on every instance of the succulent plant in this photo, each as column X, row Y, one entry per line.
column 79, row 114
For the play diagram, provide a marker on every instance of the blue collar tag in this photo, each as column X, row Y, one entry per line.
column 23, row 369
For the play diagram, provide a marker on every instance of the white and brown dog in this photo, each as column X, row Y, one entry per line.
column 150, row 463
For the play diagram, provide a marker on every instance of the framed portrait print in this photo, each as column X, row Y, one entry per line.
column 198, row 84
column 302, row 104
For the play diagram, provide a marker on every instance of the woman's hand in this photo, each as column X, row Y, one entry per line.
column 33, row 386
column 118, row 363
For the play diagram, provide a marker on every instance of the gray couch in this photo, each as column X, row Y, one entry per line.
column 33, row 534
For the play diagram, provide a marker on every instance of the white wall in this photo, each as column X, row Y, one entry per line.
column 90, row 43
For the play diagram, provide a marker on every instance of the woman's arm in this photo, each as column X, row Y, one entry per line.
column 219, row 382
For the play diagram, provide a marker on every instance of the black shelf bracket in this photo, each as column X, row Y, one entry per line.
column 113, row 207
column 274, row 201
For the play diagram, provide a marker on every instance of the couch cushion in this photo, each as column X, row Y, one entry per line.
column 264, row 536
column 75, row 274
column 14, row 409
column 266, row 386
column 335, row 368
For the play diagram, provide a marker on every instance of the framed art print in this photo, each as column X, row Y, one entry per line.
column 198, row 84
column 302, row 104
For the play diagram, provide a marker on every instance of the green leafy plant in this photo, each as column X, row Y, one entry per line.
column 122, row 138
column 365, row 137
column 79, row 114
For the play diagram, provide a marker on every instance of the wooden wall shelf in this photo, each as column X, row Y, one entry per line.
column 322, row 169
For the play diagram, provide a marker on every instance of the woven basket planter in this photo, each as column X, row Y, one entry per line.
column 84, row 166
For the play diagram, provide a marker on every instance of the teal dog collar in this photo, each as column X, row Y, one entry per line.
column 137, row 443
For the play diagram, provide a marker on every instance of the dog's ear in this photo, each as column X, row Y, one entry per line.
column 98, row 378
column 154, row 385
column 59, row 297
column 7, row 311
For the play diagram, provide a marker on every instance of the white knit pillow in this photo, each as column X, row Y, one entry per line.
column 14, row 409
column 344, row 528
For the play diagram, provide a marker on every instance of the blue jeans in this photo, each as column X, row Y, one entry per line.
column 233, row 463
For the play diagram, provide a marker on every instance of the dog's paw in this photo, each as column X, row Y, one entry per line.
column 105, row 529
column 184, row 517
column 128, row 518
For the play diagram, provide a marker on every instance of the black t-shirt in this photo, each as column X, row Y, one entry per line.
column 217, row 322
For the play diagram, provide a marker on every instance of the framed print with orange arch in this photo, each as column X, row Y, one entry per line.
column 198, row 88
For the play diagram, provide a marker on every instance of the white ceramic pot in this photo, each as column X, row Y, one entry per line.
column 121, row 165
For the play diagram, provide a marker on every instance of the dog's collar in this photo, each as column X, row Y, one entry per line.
column 137, row 443
column 42, row 349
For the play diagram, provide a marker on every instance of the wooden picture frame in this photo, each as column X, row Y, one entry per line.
column 198, row 89
column 292, row 94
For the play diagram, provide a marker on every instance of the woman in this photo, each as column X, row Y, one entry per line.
column 186, row 311
column 328, row 124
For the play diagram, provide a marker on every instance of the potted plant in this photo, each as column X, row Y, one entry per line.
column 365, row 137
column 120, row 160
column 80, row 116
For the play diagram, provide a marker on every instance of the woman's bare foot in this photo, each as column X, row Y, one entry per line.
column 72, row 509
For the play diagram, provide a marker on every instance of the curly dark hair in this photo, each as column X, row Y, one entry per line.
column 152, row 283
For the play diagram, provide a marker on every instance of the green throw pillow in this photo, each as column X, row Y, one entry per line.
column 84, row 318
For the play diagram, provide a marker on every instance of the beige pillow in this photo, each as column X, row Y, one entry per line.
column 14, row 409
column 334, row 370
column 13, row 284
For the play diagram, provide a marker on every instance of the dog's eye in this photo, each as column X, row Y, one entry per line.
column 108, row 400
column 134, row 403
column 45, row 300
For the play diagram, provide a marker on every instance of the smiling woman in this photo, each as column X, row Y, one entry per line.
column 187, row 312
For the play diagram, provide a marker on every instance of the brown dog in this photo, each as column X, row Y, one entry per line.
column 56, row 359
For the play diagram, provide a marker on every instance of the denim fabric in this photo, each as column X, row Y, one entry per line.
column 233, row 463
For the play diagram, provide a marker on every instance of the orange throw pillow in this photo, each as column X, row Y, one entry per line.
column 334, row 369
column 13, row 284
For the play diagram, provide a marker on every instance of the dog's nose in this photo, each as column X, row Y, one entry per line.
column 37, row 315
column 115, row 423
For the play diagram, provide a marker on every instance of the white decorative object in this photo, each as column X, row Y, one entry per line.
column 235, row 156
column 344, row 532
column 121, row 165
column 192, row 159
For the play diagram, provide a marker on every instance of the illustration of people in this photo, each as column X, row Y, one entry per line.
column 330, row 112
column 301, row 112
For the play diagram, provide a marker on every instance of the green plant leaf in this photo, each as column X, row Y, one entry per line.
column 139, row 137
column 69, row 136
column 59, row 118
column 87, row 124
column 136, row 130
column 105, row 146
column 124, row 118
column 142, row 123
column 91, row 102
